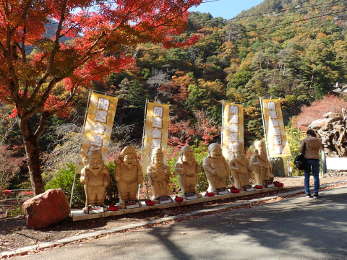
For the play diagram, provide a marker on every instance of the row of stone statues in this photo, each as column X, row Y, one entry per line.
column 238, row 171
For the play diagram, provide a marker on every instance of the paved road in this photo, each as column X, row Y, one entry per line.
column 299, row 228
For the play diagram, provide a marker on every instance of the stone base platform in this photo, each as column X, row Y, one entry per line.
column 78, row 215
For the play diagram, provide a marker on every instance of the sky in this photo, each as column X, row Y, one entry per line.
column 225, row 8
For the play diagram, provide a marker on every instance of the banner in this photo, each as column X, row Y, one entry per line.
column 155, row 131
column 99, row 122
column 232, row 129
column 276, row 139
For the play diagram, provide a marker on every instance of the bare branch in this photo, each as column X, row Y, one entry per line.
column 42, row 125
column 53, row 52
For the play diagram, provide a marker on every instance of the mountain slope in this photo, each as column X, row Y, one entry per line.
column 290, row 49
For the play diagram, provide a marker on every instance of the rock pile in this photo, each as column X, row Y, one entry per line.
column 332, row 129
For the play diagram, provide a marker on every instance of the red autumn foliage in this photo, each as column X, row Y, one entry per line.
column 317, row 109
column 180, row 133
column 205, row 128
column 183, row 133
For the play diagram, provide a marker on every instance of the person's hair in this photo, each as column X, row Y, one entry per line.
column 311, row 133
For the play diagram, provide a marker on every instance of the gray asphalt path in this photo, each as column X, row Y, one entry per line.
column 299, row 228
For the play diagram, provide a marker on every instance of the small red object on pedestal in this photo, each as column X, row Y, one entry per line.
column 209, row 194
column 178, row 199
column 234, row 190
column 278, row 184
column 258, row 187
column 149, row 202
column 112, row 208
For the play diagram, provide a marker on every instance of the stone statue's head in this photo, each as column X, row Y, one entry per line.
column 129, row 156
column 94, row 159
column 157, row 156
column 260, row 146
column 187, row 154
column 237, row 149
column 214, row 150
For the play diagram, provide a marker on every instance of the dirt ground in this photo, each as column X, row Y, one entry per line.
column 14, row 234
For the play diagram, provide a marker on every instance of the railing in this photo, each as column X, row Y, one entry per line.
column 12, row 200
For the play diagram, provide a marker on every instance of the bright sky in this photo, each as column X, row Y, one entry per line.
column 225, row 8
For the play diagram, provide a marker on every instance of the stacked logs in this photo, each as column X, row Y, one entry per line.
column 332, row 129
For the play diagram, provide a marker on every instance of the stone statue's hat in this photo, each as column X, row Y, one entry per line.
column 128, row 150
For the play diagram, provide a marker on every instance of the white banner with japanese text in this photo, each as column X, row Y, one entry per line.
column 276, row 139
column 155, row 131
column 232, row 129
column 99, row 122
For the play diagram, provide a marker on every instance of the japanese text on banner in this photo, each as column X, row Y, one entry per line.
column 276, row 139
column 156, row 131
column 232, row 130
column 99, row 122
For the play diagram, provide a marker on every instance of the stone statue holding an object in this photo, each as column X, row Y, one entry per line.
column 187, row 170
column 159, row 174
column 128, row 175
column 95, row 177
column 261, row 165
column 216, row 169
column 240, row 170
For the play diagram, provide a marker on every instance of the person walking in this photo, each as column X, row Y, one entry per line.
column 310, row 148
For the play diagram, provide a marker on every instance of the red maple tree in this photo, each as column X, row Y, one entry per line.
column 49, row 49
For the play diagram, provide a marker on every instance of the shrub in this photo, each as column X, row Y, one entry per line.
column 200, row 153
column 294, row 136
column 112, row 191
column 173, row 182
column 64, row 179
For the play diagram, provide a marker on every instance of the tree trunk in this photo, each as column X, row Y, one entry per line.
column 33, row 156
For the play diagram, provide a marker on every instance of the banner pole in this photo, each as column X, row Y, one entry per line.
column 222, row 135
column 143, row 159
column 264, row 126
column 85, row 117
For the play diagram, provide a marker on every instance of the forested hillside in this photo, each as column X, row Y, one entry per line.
column 290, row 49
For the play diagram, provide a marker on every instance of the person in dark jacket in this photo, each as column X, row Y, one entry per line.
column 310, row 148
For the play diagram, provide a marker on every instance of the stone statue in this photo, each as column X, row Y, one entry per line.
column 95, row 177
column 261, row 165
column 240, row 170
column 187, row 170
column 216, row 169
column 158, row 174
column 128, row 175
